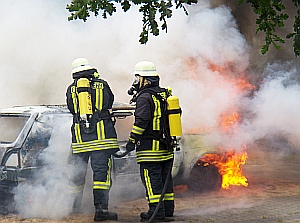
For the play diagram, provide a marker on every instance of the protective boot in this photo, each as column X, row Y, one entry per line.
column 103, row 215
column 169, row 208
column 160, row 216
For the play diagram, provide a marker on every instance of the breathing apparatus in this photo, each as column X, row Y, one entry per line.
column 174, row 115
column 85, row 102
column 81, row 71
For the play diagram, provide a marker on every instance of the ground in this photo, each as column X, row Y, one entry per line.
column 273, row 195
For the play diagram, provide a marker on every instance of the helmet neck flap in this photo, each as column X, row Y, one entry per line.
column 84, row 73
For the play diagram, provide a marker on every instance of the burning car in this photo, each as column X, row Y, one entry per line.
column 25, row 133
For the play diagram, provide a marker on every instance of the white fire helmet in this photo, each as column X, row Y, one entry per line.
column 145, row 69
column 80, row 64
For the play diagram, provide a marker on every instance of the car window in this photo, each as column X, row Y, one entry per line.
column 38, row 138
column 10, row 127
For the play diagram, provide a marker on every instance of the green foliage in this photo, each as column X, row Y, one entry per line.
column 296, row 33
column 269, row 18
column 80, row 9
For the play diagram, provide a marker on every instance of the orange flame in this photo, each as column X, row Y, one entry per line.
column 229, row 166
column 243, row 84
column 230, row 163
column 229, row 120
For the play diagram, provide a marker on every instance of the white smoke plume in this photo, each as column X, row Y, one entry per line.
column 38, row 45
column 275, row 106
column 47, row 194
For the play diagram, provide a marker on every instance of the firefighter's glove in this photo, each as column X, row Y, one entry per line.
column 130, row 146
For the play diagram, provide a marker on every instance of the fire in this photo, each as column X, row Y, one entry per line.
column 231, row 160
column 229, row 166
column 243, row 84
column 230, row 163
column 239, row 81
column 229, row 120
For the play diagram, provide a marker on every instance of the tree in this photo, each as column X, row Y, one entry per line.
column 270, row 16
column 80, row 9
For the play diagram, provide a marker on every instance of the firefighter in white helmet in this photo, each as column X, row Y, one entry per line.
column 149, row 138
column 90, row 99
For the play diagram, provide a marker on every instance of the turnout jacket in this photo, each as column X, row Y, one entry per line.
column 102, row 135
column 148, row 125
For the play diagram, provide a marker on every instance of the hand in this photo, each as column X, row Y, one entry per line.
column 130, row 146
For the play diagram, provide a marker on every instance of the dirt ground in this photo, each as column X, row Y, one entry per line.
column 274, row 185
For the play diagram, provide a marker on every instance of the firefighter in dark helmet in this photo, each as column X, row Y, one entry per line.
column 153, row 155
column 90, row 99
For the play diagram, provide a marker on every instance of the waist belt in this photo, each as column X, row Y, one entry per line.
column 98, row 115
column 103, row 114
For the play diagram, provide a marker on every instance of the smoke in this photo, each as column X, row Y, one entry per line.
column 47, row 194
column 199, row 57
column 275, row 106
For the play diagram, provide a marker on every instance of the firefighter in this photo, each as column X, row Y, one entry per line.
column 153, row 155
column 90, row 99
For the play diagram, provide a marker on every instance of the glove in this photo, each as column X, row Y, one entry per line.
column 120, row 154
column 130, row 146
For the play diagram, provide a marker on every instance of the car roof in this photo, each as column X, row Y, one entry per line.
column 42, row 109
column 36, row 109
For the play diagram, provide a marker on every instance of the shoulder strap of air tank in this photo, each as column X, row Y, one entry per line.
column 163, row 135
column 157, row 95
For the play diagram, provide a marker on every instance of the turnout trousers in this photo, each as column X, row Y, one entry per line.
column 153, row 176
column 101, row 167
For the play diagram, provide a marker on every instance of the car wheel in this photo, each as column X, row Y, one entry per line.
column 204, row 177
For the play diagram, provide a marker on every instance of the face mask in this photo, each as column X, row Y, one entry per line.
column 135, row 85
column 136, row 81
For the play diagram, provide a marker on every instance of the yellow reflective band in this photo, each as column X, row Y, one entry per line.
column 147, row 183
column 95, row 145
column 74, row 98
column 137, row 130
column 76, row 189
column 153, row 156
column 101, row 99
column 99, row 95
column 153, row 159
column 157, row 113
column 169, row 197
column 100, row 130
column 101, row 185
column 77, row 133
column 155, row 144
column 154, row 198
column 154, row 153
